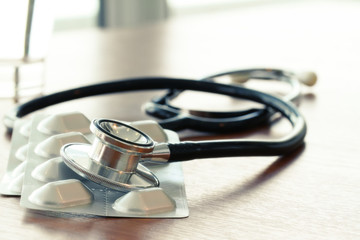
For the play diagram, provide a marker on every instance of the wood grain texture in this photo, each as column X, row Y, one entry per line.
column 311, row 194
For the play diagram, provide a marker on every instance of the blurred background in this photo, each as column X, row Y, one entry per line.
column 28, row 27
column 129, row 13
column 188, row 38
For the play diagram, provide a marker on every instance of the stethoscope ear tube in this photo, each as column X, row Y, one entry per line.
column 176, row 119
column 226, row 121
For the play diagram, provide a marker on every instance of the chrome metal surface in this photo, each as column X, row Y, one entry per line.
column 125, row 161
column 76, row 157
column 118, row 145
column 112, row 160
column 121, row 137
column 160, row 154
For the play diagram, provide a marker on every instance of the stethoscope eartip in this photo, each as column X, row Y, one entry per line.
column 307, row 78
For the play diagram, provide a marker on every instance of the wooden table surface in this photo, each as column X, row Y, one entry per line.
column 314, row 193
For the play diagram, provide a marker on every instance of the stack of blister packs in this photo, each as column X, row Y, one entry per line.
column 38, row 174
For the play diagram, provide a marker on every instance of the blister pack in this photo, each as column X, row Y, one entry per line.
column 49, row 184
column 12, row 182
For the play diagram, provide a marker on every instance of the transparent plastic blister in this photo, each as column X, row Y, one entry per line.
column 50, row 185
column 11, row 183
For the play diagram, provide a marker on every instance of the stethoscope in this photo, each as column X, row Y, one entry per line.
column 114, row 156
column 175, row 118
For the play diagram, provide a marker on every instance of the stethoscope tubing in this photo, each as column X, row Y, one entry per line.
column 178, row 119
column 188, row 150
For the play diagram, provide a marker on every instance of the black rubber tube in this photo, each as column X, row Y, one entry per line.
column 193, row 150
column 161, row 107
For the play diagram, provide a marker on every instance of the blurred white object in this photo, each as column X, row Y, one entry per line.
column 26, row 27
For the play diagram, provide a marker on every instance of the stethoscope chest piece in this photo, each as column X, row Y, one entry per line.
column 112, row 160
